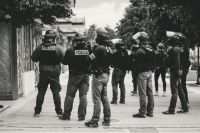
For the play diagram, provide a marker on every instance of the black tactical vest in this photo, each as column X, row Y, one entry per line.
column 48, row 55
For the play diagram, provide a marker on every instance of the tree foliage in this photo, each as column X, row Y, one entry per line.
column 158, row 16
column 25, row 11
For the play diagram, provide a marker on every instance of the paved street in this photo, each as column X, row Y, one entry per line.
column 18, row 116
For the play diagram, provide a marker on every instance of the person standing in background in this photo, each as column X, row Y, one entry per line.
column 160, row 68
column 119, row 63
column 144, row 60
column 175, row 65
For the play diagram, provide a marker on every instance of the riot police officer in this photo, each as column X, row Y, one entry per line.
column 160, row 68
column 132, row 68
column 119, row 63
column 77, row 59
column 144, row 60
column 49, row 54
column 175, row 65
column 100, row 69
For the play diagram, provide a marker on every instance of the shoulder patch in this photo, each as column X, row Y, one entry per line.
column 81, row 52
column 92, row 56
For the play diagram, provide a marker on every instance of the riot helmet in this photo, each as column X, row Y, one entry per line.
column 79, row 40
column 141, row 38
column 50, row 36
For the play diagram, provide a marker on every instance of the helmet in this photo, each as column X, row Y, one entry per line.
column 50, row 33
column 80, row 39
column 140, row 35
column 102, row 37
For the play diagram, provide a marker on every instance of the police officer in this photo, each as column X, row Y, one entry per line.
column 174, row 63
column 144, row 59
column 49, row 54
column 119, row 62
column 132, row 68
column 185, row 68
column 100, row 69
column 160, row 68
column 77, row 59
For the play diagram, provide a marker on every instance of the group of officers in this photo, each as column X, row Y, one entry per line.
column 84, row 59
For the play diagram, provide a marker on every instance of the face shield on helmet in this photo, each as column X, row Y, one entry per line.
column 141, row 38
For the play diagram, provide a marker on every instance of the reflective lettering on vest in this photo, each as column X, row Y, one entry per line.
column 81, row 52
column 49, row 48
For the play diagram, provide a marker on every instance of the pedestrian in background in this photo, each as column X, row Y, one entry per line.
column 160, row 68
column 119, row 63
column 100, row 70
column 134, row 73
column 144, row 60
column 77, row 59
column 49, row 55
column 175, row 65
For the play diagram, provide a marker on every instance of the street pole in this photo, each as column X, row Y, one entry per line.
column 198, row 64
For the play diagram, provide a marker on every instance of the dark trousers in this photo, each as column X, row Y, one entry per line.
column 134, row 80
column 44, row 80
column 176, row 90
column 183, row 82
column 118, row 79
column 159, row 72
column 77, row 82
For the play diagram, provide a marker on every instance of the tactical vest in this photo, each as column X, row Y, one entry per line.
column 79, row 61
column 101, row 64
column 48, row 55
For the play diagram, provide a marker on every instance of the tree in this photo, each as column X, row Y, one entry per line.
column 136, row 19
column 177, row 15
column 158, row 16
column 26, row 11
column 111, row 33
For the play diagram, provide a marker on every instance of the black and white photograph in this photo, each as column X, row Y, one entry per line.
column 99, row 66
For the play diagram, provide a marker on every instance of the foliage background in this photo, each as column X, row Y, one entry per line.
column 158, row 16
column 26, row 11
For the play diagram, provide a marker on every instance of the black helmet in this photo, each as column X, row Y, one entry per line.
column 80, row 39
column 50, row 33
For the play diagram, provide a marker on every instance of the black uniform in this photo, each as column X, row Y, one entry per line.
column 134, row 73
column 160, row 68
column 174, row 63
column 77, row 59
column 49, row 56
column 119, row 62
column 185, row 68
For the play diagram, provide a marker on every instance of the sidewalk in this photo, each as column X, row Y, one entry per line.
column 19, row 116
